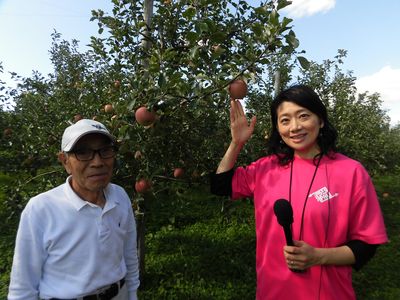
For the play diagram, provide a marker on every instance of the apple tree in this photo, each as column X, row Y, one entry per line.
column 178, row 63
column 178, row 59
column 362, row 123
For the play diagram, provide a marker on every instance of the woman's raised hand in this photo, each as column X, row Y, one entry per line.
column 241, row 129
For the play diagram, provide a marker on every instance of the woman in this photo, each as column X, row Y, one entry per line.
column 337, row 219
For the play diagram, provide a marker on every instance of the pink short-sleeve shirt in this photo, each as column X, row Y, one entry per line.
column 342, row 205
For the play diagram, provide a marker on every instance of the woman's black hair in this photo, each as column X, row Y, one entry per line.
column 306, row 97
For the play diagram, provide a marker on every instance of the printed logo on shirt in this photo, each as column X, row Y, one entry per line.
column 323, row 195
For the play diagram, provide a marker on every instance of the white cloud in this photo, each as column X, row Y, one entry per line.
column 386, row 82
column 305, row 8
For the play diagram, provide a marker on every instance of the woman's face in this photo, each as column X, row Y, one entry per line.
column 299, row 128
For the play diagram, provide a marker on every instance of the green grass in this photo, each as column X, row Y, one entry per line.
column 196, row 252
column 380, row 278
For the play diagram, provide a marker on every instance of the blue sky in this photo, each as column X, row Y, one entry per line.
column 370, row 32
column 368, row 29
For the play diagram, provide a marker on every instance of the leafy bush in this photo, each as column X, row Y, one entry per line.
column 8, row 230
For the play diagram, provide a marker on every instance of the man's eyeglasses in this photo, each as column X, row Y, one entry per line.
column 88, row 154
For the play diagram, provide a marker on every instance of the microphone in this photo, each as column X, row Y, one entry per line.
column 284, row 213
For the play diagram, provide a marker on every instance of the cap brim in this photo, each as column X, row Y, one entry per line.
column 71, row 145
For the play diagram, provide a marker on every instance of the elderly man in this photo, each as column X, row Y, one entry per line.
column 78, row 240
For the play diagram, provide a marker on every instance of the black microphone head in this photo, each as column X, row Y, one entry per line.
column 284, row 212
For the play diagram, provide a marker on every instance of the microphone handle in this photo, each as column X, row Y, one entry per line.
column 289, row 242
column 288, row 235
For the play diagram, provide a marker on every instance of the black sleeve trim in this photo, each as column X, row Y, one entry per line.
column 221, row 184
column 362, row 251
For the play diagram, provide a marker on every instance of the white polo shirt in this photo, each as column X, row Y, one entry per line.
column 67, row 247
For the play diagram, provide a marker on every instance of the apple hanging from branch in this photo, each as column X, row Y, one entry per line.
column 238, row 89
column 7, row 132
column 178, row 172
column 138, row 154
column 108, row 108
column 78, row 117
column 145, row 117
column 143, row 185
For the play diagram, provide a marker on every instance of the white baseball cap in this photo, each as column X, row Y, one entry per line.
column 73, row 133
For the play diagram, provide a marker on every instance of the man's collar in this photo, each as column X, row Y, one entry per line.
column 79, row 203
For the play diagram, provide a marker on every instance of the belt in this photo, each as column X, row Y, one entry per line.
column 106, row 294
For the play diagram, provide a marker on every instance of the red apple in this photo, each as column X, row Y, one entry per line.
column 238, row 89
column 144, row 116
column 7, row 132
column 138, row 155
column 178, row 172
column 108, row 108
column 117, row 84
column 142, row 185
column 78, row 117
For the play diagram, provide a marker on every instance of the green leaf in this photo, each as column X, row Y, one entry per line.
column 189, row 13
column 261, row 10
column 218, row 37
column 192, row 37
column 161, row 80
column 258, row 29
column 286, row 22
column 274, row 17
column 194, row 52
column 292, row 40
column 203, row 27
column 283, row 3
column 131, row 105
column 305, row 64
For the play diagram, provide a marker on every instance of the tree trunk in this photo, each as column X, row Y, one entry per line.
column 141, row 232
column 146, row 44
column 277, row 80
